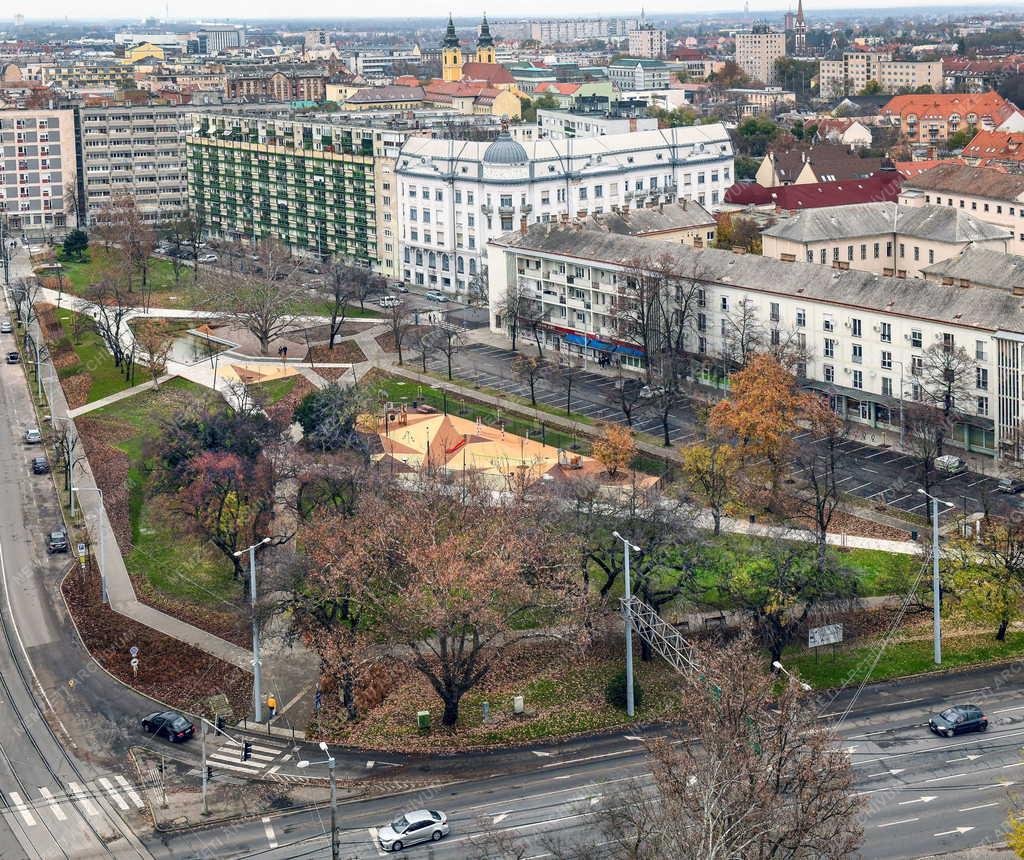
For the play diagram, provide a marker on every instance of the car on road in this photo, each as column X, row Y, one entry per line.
column 389, row 301
column 957, row 720
column 435, row 296
column 421, row 825
column 950, row 464
column 169, row 724
column 32, row 436
column 6, row 327
column 56, row 542
column 13, row 357
column 40, row 466
column 399, row 287
column 206, row 258
column 1010, row 486
column 649, row 392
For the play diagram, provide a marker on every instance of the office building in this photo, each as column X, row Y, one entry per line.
column 647, row 42
column 757, row 51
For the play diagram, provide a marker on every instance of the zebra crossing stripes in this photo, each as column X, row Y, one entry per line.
column 60, row 803
column 229, row 756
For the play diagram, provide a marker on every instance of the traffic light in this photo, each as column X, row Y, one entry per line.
column 246, row 750
column 209, row 772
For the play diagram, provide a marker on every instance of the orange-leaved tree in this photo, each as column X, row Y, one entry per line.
column 615, row 448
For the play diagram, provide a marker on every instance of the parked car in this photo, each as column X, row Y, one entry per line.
column 389, row 301
column 1010, row 485
column 421, row 825
column 435, row 296
column 169, row 724
column 206, row 258
column 950, row 464
column 40, row 466
column 6, row 327
column 56, row 542
column 33, row 436
column 13, row 357
column 649, row 392
column 957, row 720
column 399, row 287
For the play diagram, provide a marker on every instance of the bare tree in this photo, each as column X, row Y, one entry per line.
column 926, row 427
column 155, row 339
column 363, row 283
column 743, row 334
column 948, row 379
column 111, row 305
column 400, row 323
column 627, row 395
column 510, row 309
column 639, row 306
column 568, row 372
column 263, row 302
column 531, row 369
column 340, row 290
column 423, row 345
column 532, row 319
column 448, row 340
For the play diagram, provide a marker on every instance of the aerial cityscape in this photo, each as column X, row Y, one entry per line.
column 520, row 433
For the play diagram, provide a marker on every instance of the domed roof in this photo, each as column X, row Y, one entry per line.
column 504, row 150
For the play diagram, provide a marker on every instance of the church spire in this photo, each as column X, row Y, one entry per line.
column 800, row 11
column 451, row 38
column 486, row 40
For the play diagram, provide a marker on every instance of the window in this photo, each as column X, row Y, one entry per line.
column 886, row 360
column 888, row 249
column 702, row 298
column 885, row 332
column 458, row 196
column 835, row 253
column 830, row 373
column 917, row 253
column 916, row 339
column 857, row 354
column 702, row 321
column 903, row 250
column 981, row 378
column 774, row 312
column 863, row 252
column 982, row 405
column 725, row 303
column 827, row 323
column 886, row 386
column 810, row 256
column 979, row 350
column 801, row 317
column 824, row 256
column 849, row 253
column 829, row 350
column 947, row 342
column 413, row 213
column 855, row 327
column 877, row 249
column 916, row 365
column 931, row 255
column 775, row 337
column 858, row 379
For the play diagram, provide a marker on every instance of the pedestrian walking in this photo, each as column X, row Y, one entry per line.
column 271, row 706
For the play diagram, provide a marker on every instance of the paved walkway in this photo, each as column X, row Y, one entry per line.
column 120, row 395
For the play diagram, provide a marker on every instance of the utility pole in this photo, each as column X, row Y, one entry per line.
column 256, row 695
column 627, row 612
column 936, row 582
column 331, row 763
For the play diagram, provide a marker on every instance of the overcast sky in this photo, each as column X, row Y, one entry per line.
column 328, row 9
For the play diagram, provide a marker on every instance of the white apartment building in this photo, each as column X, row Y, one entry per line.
column 865, row 335
column 757, row 51
column 558, row 124
column 455, row 195
column 848, row 73
column 647, row 42
column 884, row 238
column 37, row 170
column 580, row 29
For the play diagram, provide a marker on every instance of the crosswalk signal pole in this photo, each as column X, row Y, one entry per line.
column 206, row 772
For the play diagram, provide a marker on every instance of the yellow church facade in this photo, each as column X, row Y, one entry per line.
column 452, row 58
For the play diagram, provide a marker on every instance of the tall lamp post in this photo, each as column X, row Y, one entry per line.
column 330, row 762
column 936, row 585
column 103, row 552
column 257, row 704
column 628, row 617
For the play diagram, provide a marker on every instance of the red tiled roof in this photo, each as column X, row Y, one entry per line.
column 989, row 104
column 1000, row 145
column 913, row 168
column 491, row 72
column 561, row 89
column 879, row 187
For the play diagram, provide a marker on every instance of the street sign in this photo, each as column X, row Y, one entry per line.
column 135, row 666
column 134, row 650
column 81, row 550
column 830, row 634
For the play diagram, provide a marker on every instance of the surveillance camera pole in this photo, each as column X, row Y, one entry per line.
column 936, row 582
column 628, row 617
column 256, row 695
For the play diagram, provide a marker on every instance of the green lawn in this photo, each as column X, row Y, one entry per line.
column 879, row 572
column 276, row 389
column 899, row 659
column 172, row 560
column 95, row 359
column 323, row 308
column 79, row 274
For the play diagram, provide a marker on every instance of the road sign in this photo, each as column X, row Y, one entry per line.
column 135, row 666
column 134, row 650
column 81, row 550
column 830, row 634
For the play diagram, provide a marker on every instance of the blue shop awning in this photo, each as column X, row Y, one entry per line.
column 603, row 345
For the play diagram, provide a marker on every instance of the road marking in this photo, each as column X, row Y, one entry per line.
column 872, row 471
column 376, row 842
column 274, row 769
column 593, row 757
column 109, row 788
column 596, row 799
column 892, row 772
column 902, row 821
column 965, row 692
column 501, row 816
column 79, row 794
column 21, row 808
column 943, row 778
column 957, row 831
column 542, row 754
column 633, row 737
column 132, row 794
column 847, row 478
column 858, row 487
column 1007, row 710
column 1006, row 784
column 225, row 766
column 52, row 801
column 268, row 828
column 964, row 758
column 979, row 806
column 924, row 798
column 1015, row 764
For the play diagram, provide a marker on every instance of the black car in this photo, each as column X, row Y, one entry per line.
column 13, row 358
column 169, row 724
column 957, row 720
column 40, row 466
column 56, row 542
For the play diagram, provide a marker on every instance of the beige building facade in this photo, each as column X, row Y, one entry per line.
column 757, row 51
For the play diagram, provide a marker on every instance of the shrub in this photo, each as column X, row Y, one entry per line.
column 615, row 691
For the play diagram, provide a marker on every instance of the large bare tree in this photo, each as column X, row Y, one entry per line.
column 947, row 375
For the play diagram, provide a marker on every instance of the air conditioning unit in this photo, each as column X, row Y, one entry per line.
column 906, row 337
column 846, row 324
column 876, row 328
column 846, row 370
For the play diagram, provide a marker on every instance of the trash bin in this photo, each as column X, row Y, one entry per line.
column 423, row 720
column 913, row 534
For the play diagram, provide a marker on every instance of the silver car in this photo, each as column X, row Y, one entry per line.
column 421, row 825
column 6, row 327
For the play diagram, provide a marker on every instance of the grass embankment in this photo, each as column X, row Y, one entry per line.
column 173, row 561
column 84, row 365
column 78, row 275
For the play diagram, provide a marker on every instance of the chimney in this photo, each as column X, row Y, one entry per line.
column 522, row 225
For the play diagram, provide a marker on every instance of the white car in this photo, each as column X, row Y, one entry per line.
column 421, row 825
column 33, row 437
column 649, row 392
column 950, row 464
column 6, row 327
column 206, row 258
column 389, row 301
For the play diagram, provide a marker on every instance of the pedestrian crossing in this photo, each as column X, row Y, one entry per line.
column 228, row 756
column 59, row 804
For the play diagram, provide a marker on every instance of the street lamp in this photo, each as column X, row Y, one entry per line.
column 257, row 705
column 72, row 441
column 902, row 430
column 628, row 617
column 805, row 687
column 103, row 553
column 330, row 762
column 936, row 586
